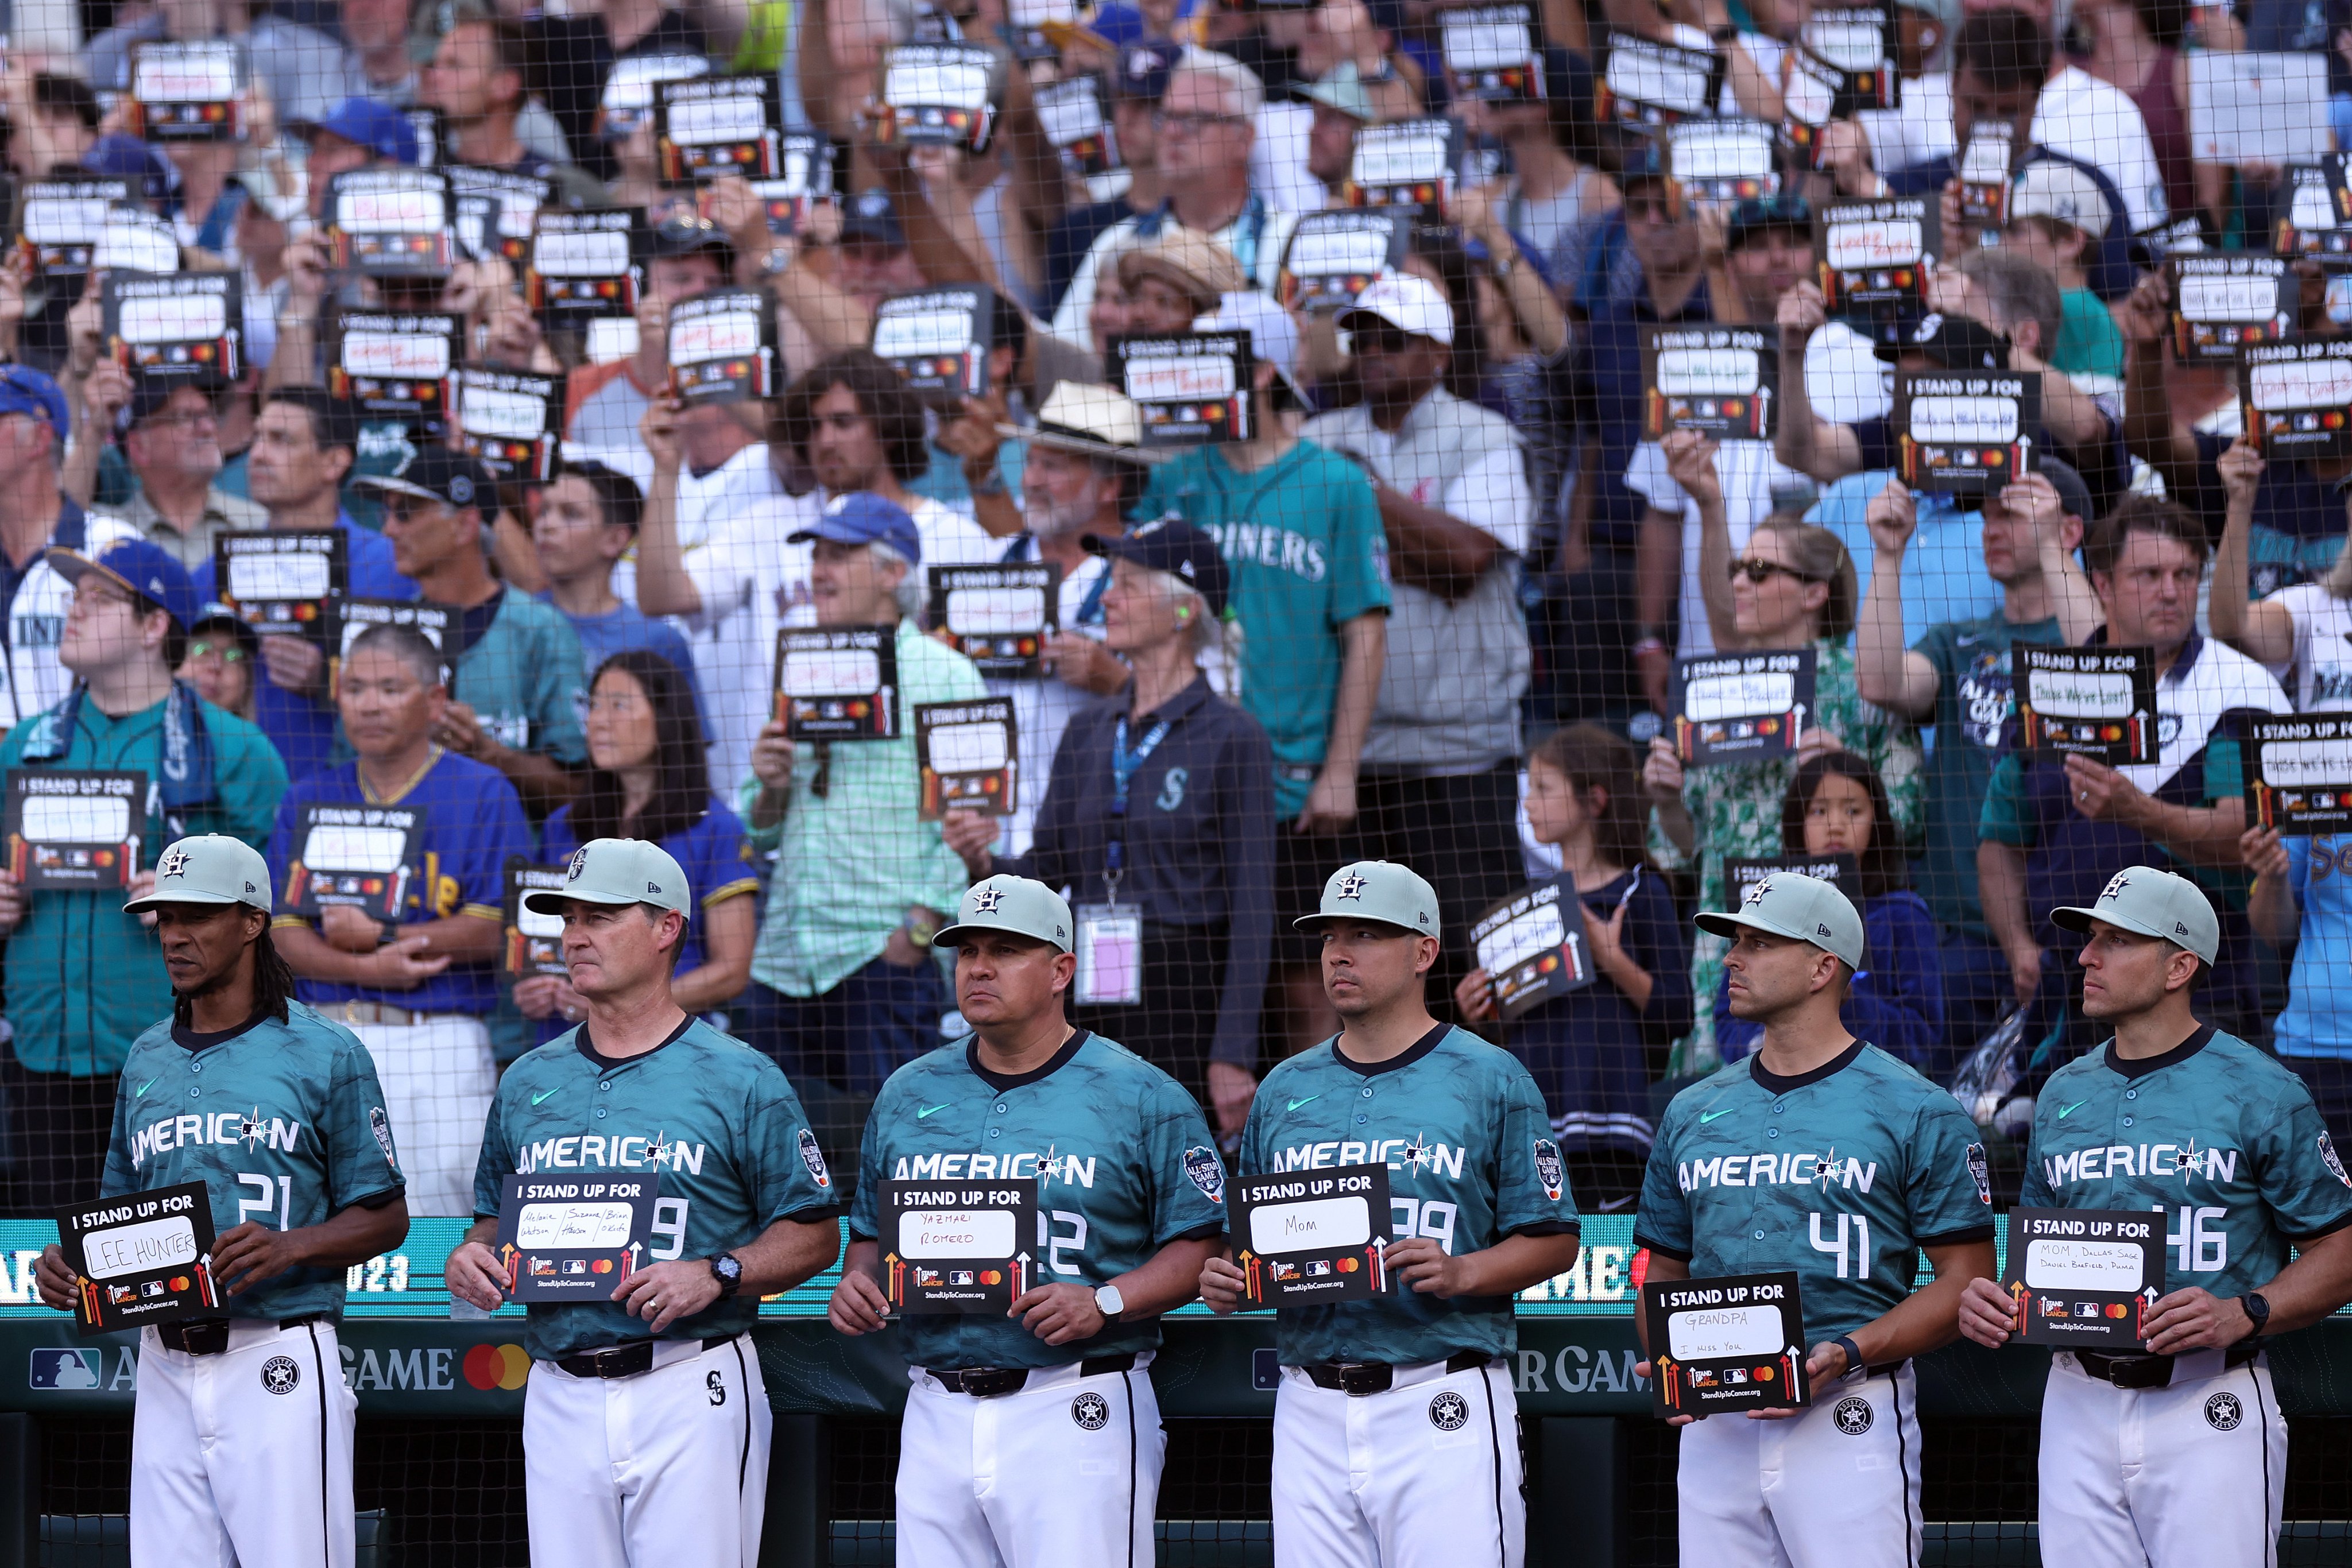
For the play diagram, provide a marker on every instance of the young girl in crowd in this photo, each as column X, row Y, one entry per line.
column 647, row 778
column 1836, row 806
column 1596, row 1051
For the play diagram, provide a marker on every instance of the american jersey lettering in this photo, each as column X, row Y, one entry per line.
column 1124, row 1164
column 1841, row 1175
column 1461, row 1128
column 283, row 1123
column 715, row 1118
column 2214, row 1135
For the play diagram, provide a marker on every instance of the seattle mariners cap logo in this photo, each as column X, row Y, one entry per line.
column 984, row 900
column 461, row 490
column 1929, row 325
column 1351, row 886
column 175, row 863
column 579, row 863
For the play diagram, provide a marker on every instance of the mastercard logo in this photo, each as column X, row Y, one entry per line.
column 488, row 1366
column 601, row 1266
column 181, row 1281
column 2118, row 1309
column 1349, row 1265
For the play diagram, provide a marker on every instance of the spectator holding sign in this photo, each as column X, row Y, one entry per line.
column 81, row 973
column 416, row 982
column 2056, row 828
column 647, row 778
column 1836, row 806
column 844, row 988
column 2307, row 627
column 1793, row 588
column 1595, row 1052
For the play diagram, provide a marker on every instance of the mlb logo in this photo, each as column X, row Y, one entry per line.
column 1736, row 1375
column 576, row 1265
column 2086, row 1309
column 960, row 1277
column 1318, row 1268
column 151, row 1289
column 64, row 1369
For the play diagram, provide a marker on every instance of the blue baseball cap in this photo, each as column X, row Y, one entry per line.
column 382, row 130
column 871, row 217
column 863, row 518
column 144, row 569
column 1144, row 67
column 24, row 390
column 121, row 157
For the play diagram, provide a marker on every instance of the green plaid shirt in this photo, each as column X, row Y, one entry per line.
column 854, row 860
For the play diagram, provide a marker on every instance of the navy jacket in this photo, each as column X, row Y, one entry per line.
column 1198, row 835
column 1898, row 1000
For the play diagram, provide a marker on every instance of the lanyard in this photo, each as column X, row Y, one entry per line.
column 1123, row 766
column 1024, row 548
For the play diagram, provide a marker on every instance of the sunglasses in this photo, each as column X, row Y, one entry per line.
column 230, row 652
column 1757, row 570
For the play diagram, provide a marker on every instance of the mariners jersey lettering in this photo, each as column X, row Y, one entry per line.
column 1462, row 1127
column 1842, row 1176
column 1124, row 1164
column 2214, row 1135
column 714, row 1119
column 283, row 1123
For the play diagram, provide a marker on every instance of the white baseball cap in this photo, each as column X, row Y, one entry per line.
column 1378, row 891
column 211, row 868
column 2153, row 903
column 1018, row 905
column 1408, row 302
column 2061, row 190
column 1803, row 908
column 615, row 871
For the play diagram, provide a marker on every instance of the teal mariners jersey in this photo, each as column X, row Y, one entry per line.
column 1123, row 1162
column 283, row 1123
column 1462, row 1127
column 2213, row 1135
column 1841, row 1175
column 714, row 1119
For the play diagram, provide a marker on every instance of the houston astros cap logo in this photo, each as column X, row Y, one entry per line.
column 174, row 863
column 984, row 902
column 1351, row 886
column 2115, row 886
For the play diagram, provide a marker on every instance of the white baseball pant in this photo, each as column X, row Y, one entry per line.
column 2192, row 1473
column 438, row 1080
column 669, row 1465
column 1838, row 1485
column 243, row 1459
column 1065, row 1471
column 1425, row 1475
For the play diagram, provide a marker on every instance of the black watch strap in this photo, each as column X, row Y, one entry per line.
column 728, row 1269
column 2258, row 1307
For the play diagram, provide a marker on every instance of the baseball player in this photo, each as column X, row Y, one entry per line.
column 241, row 1441
column 1033, row 1439
column 1822, row 1155
column 645, row 1422
column 2179, row 1454
column 1396, row 1436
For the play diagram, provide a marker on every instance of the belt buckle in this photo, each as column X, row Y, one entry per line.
column 1360, row 1379
column 989, row 1382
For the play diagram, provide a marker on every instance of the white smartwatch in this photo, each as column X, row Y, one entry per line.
column 1110, row 1303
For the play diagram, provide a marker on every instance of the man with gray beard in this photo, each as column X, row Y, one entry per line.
column 1084, row 474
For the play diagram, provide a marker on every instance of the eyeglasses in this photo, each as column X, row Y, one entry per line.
column 1169, row 123
column 1755, row 569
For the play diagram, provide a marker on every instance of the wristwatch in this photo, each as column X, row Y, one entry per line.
column 1110, row 1303
column 2258, row 1309
column 778, row 261
column 921, row 932
column 728, row 1273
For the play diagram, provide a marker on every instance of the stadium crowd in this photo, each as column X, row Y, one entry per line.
column 1434, row 602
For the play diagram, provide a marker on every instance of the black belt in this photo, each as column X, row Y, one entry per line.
column 209, row 1336
column 1358, row 1379
column 623, row 1360
column 2153, row 1370
column 988, row 1381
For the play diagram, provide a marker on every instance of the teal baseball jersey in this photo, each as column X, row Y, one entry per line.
column 2214, row 1135
column 1123, row 1161
column 1841, row 1175
column 283, row 1123
column 714, row 1119
column 1462, row 1127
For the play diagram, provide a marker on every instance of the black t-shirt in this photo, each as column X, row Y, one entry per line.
column 571, row 55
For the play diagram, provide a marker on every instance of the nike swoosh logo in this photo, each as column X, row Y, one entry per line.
column 1711, row 1115
column 2071, row 1108
column 142, row 1088
column 541, row 1095
column 1967, row 642
column 921, row 1112
column 1294, row 1104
